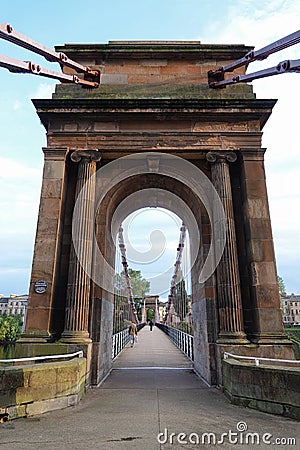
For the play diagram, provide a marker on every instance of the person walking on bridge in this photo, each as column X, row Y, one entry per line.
column 151, row 324
column 132, row 330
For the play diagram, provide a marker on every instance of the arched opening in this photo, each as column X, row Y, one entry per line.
column 152, row 191
column 150, row 244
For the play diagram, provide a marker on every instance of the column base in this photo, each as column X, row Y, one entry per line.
column 228, row 337
column 75, row 337
column 35, row 336
column 270, row 338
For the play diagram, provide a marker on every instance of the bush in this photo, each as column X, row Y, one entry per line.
column 10, row 328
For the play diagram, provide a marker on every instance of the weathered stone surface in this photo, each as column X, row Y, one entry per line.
column 275, row 390
column 34, row 389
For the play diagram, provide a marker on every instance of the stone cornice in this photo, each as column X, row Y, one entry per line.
column 146, row 103
column 202, row 109
column 154, row 49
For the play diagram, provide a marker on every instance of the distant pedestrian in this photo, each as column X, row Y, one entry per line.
column 132, row 330
column 151, row 325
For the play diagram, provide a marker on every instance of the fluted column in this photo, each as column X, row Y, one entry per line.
column 228, row 281
column 78, row 291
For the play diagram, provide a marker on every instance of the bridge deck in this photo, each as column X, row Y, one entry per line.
column 154, row 349
column 133, row 405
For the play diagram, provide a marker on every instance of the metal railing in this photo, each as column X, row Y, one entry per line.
column 35, row 359
column 120, row 339
column 257, row 361
column 182, row 340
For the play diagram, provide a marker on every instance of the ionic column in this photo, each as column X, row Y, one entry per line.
column 78, row 291
column 228, row 281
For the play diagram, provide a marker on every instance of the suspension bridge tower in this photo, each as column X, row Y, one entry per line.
column 153, row 100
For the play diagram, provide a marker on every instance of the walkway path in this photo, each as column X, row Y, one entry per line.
column 154, row 349
column 133, row 405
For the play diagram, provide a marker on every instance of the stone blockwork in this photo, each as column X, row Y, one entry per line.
column 152, row 69
column 35, row 389
column 47, row 246
column 272, row 389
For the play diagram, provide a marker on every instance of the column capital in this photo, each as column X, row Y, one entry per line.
column 87, row 155
column 228, row 156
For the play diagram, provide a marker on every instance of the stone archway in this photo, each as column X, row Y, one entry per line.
column 153, row 98
column 150, row 302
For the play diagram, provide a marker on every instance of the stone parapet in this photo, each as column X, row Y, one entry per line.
column 270, row 389
column 28, row 390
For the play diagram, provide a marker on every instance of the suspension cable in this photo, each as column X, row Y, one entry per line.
column 127, row 276
column 216, row 77
column 176, row 272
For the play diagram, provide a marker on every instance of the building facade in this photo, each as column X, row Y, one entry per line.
column 290, row 304
column 13, row 305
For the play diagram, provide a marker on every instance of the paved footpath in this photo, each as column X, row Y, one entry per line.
column 150, row 390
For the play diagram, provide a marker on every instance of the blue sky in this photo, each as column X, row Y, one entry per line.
column 249, row 22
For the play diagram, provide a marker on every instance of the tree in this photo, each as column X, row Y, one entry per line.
column 281, row 285
column 150, row 314
column 140, row 286
column 10, row 327
column 180, row 300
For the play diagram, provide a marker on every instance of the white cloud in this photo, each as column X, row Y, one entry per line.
column 17, row 105
column 259, row 24
column 254, row 23
column 44, row 90
column 20, row 187
column 20, row 191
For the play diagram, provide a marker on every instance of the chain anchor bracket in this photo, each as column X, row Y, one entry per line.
column 91, row 77
column 216, row 78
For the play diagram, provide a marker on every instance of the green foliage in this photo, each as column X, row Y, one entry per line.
column 185, row 326
column 138, row 302
column 281, row 285
column 140, row 286
column 181, row 299
column 10, row 327
column 150, row 314
column 293, row 333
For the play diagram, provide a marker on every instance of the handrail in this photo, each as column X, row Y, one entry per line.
column 182, row 340
column 119, row 341
column 39, row 358
column 257, row 360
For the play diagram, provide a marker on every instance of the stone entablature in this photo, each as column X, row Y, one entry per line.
column 120, row 127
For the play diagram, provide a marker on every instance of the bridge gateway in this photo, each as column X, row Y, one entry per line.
column 153, row 103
